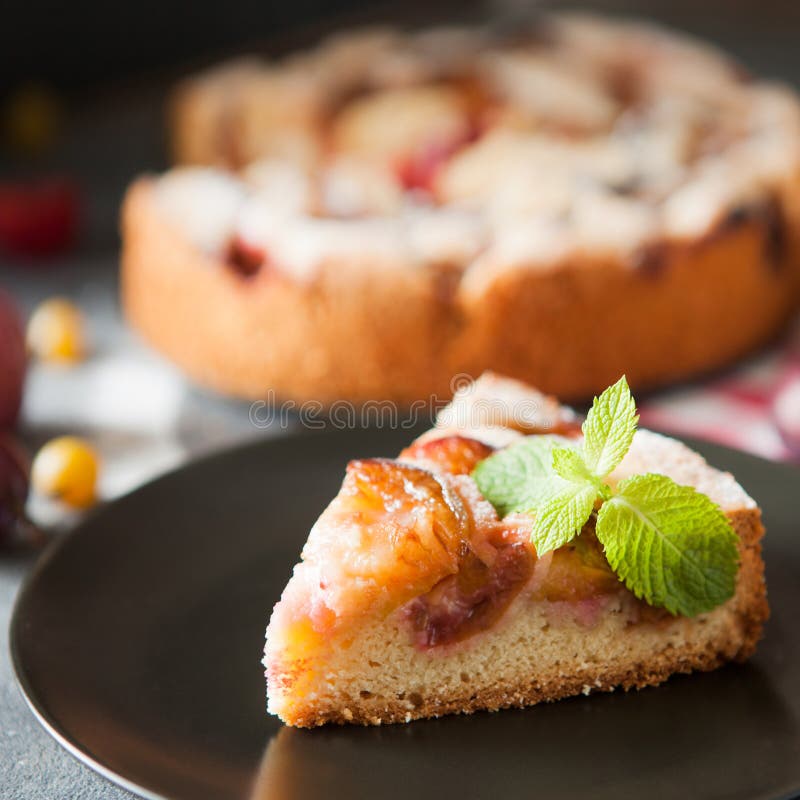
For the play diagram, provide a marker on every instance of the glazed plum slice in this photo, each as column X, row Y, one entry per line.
column 456, row 455
column 472, row 600
column 394, row 527
column 578, row 571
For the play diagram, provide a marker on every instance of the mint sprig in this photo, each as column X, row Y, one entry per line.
column 609, row 428
column 524, row 477
column 669, row 544
column 560, row 518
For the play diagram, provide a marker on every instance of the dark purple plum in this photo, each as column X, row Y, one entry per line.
column 12, row 361
column 14, row 471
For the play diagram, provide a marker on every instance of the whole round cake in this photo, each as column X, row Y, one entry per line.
column 563, row 203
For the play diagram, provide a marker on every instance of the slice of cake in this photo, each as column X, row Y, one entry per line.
column 509, row 556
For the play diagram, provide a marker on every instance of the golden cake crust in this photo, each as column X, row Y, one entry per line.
column 363, row 331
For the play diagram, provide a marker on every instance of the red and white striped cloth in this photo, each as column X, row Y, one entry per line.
column 755, row 407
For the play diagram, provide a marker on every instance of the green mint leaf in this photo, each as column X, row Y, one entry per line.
column 520, row 476
column 609, row 428
column 559, row 519
column 569, row 464
column 541, row 476
column 669, row 544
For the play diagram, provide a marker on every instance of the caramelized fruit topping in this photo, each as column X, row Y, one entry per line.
column 457, row 455
column 412, row 527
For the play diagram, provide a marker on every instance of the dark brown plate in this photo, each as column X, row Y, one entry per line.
column 137, row 642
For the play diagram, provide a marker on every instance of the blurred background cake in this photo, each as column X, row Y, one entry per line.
column 565, row 199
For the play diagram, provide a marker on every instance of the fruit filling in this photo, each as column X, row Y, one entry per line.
column 472, row 600
column 578, row 571
column 573, row 582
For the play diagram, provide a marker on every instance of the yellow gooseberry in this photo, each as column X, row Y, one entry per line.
column 56, row 331
column 65, row 469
